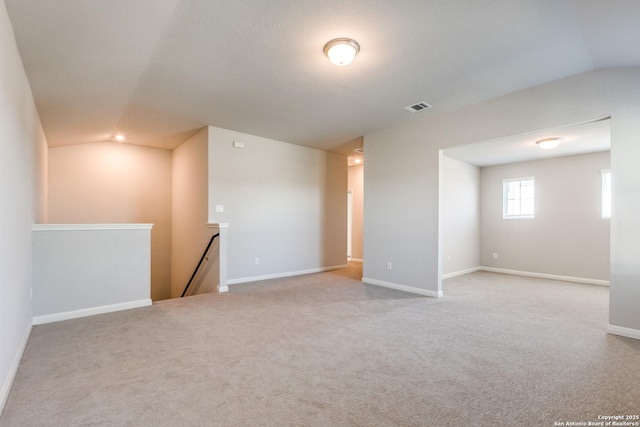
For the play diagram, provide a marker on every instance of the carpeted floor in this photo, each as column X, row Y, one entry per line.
column 327, row 350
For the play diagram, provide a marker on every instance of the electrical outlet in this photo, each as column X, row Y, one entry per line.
column 257, row 261
column 389, row 266
column 219, row 208
column 495, row 255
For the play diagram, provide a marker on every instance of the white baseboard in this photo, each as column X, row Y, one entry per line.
column 286, row 274
column 460, row 273
column 6, row 387
column 404, row 288
column 223, row 289
column 356, row 260
column 57, row 317
column 546, row 276
column 624, row 332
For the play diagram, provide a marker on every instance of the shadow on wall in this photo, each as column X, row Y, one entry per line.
column 333, row 229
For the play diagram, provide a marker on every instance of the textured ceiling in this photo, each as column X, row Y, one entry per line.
column 158, row 70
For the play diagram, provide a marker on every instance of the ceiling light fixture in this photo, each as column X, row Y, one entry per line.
column 341, row 52
column 548, row 143
column 119, row 138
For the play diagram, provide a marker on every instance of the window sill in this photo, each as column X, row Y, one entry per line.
column 519, row 217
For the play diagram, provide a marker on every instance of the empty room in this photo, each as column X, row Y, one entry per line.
column 366, row 213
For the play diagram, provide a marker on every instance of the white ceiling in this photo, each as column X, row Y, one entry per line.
column 158, row 70
column 578, row 139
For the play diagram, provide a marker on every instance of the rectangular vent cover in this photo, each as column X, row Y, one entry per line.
column 417, row 107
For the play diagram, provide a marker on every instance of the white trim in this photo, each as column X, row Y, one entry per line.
column 218, row 225
column 223, row 289
column 605, row 210
column 404, row 288
column 460, row 273
column 624, row 332
column 56, row 317
column 349, row 224
column 90, row 227
column 6, row 387
column 547, row 276
column 524, row 178
column 287, row 274
column 356, row 260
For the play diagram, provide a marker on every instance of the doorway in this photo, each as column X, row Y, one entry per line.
column 355, row 208
column 566, row 238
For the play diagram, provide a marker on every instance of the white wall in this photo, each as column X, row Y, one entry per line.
column 460, row 216
column 190, row 208
column 85, row 269
column 285, row 204
column 356, row 186
column 23, row 163
column 401, row 207
column 567, row 237
column 116, row 183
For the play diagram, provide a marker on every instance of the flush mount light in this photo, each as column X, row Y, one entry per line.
column 341, row 51
column 119, row 138
column 548, row 143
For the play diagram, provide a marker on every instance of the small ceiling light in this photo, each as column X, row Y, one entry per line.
column 549, row 143
column 358, row 161
column 341, row 51
column 119, row 138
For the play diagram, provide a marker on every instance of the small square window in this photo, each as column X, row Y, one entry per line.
column 518, row 198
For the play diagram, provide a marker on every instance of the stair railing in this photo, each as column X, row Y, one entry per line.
column 204, row 255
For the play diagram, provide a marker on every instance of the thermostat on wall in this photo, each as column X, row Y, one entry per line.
column 237, row 144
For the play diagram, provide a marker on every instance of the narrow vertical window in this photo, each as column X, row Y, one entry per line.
column 518, row 198
column 606, row 193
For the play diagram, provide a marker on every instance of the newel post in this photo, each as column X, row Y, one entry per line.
column 221, row 228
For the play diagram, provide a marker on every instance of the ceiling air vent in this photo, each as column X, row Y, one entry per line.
column 417, row 107
column 359, row 150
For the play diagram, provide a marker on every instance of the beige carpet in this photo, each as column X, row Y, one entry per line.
column 326, row 350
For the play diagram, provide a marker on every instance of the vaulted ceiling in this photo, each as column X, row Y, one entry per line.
column 158, row 70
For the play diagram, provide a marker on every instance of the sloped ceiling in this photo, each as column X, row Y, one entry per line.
column 158, row 70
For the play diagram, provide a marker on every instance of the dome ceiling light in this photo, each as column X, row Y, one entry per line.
column 548, row 143
column 342, row 51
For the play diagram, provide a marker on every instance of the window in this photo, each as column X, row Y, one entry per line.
column 517, row 198
column 606, row 193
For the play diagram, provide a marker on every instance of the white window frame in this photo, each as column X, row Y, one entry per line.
column 606, row 193
column 505, row 184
